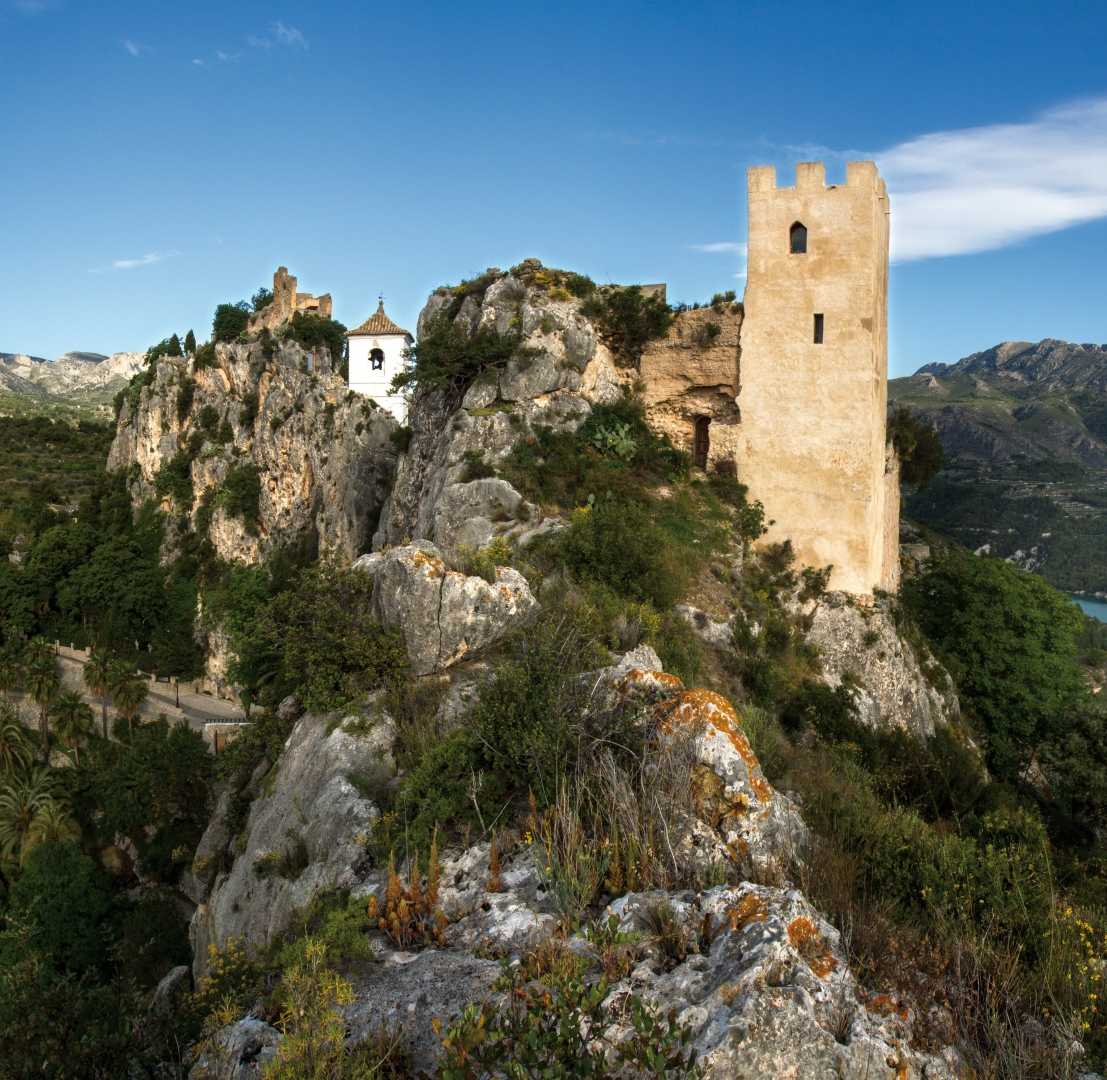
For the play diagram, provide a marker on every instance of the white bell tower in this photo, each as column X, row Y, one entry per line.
column 377, row 349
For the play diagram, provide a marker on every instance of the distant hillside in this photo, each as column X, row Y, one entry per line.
column 80, row 384
column 1024, row 427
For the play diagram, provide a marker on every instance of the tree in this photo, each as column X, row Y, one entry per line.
column 42, row 683
column 230, row 321
column 1009, row 640
column 72, row 721
column 11, row 671
column 261, row 299
column 15, row 747
column 128, row 693
column 190, row 344
column 917, row 445
column 52, row 824
column 174, row 346
column 97, row 676
column 21, row 799
column 61, row 896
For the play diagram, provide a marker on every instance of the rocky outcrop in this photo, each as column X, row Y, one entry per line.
column 560, row 367
column 773, row 994
column 305, row 834
column 240, row 1051
column 323, row 456
column 894, row 690
column 444, row 615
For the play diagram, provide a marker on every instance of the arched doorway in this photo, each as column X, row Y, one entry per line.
column 701, row 442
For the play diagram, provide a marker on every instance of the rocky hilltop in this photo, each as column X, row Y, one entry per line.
column 1024, row 429
column 469, row 567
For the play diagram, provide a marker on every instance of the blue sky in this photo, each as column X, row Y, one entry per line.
column 159, row 158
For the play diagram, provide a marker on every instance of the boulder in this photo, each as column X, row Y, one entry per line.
column 773, row 995
column 240, row 1051
column 444, row 616
column 305, row 834
column 171, row 989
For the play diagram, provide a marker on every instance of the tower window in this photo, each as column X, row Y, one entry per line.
column 797, row 238
column 376, row 358
column 818, row 329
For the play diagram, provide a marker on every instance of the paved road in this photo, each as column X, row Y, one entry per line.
column 197, row 709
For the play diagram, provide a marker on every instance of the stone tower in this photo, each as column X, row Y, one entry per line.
column 814, row 372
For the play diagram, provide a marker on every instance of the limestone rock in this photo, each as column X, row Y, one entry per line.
column 324, row 456
column 240, row 1051
column 774, row 995
column 559, row 370
column 444, row 615
column 171, row 989
column 748, row 821
column 718, row 634
column 305, row 835
column 895, row 690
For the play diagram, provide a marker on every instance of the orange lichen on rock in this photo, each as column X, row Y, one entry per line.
column 433, row 564
column 750, row 909
column 887, row 1005
column 810, row 944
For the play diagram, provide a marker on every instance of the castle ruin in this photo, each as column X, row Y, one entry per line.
column 790, row 388
column 287, row 301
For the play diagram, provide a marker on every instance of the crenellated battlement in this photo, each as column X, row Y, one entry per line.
column 811, row 176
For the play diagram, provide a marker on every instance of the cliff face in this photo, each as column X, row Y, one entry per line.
column 323, row 457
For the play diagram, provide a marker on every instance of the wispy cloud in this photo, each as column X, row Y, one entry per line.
column 198, row 62
column 983, row 188
column 143, row 260
column 134, row 48
column 721, row 247
column 226, row 57
column 32, row 7
column 278, row 34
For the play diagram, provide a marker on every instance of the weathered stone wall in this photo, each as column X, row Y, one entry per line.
column 287, row 300
column 693, row 372
column 812, row 444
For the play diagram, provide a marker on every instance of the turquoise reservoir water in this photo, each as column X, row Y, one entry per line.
column 1096, row 608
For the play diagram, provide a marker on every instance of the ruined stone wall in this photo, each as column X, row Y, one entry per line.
column 287, row 300
column 812, row 436
column 693, row 372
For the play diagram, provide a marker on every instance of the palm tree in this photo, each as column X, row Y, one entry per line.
column 52, row 822
column 42, row 682
column 20, row 802
column 72, row 720
column 128, row 692
column 11, row 672
column 97, row 676
column 15, row 747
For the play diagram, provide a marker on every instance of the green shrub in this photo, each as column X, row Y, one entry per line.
column 448, row 357
column 249, row 411
column 205, row 356
column 313, row 331
column 1009, row 641
column 475, row 468
column 627, row 319
column 261, row 299
column 240, row 495
column 917, row 445
column 482, row 562
column 174, row 479
column 208, row 420
column 185, row 393
column 401, row 438
column 230, row 320
column 618, row 543
column 706, row 334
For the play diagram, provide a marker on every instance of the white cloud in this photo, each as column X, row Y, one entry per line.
column 133, row 47
column 279, row 34
column 143, row 260
column 32, row 7
column 197, row 61
column 226, row 57
column 721, row 247
column 979, row 189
